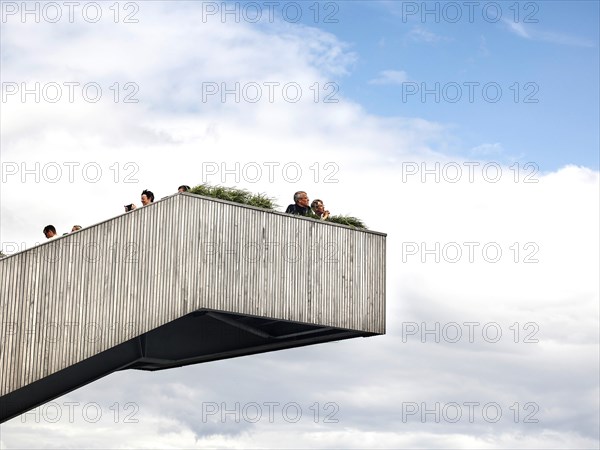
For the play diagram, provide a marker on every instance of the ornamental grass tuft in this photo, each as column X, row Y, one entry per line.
column 347, row 220
column 235, row 195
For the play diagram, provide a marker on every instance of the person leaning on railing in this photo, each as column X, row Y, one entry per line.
column 318, row 209
column 147, row 197
column 300, row 205
column 50, row 232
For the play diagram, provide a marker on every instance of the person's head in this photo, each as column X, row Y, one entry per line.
column 301, row 199
column 147, row 197
column 183, row 188
column 318, row 207
column 49, row 231
column 76, row 228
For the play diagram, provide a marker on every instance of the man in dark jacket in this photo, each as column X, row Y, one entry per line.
column 300, row 207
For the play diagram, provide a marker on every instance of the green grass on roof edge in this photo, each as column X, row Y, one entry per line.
column 347, row 220
column 235, row 195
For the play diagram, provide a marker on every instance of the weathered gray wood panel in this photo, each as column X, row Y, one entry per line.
column 78, row 295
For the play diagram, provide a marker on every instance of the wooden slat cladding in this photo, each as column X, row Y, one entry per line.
column 80, row 294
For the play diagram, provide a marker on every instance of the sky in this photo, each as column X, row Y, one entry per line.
column 466, row 131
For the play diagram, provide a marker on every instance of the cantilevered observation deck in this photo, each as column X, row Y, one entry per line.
column 187, row 279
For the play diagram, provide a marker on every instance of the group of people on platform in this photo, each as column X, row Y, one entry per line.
column 50, row 231
column 147, row 197
column 300, row 207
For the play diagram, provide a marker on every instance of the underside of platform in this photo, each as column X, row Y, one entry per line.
column 198, row 337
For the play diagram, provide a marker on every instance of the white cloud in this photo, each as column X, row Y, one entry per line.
column 420, row 34
column 517, row 28
column 483, row 49
column 171, row 132
column 390, row 77
column 535, row 34
column 488, row 149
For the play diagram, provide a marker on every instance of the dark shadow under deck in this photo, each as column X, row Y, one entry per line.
column 198, row 337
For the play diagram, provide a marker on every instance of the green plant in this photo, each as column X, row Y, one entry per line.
column 347, row 220
column 235, row 195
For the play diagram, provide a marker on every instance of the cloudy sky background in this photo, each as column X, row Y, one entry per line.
column 372, row 139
